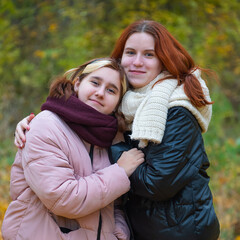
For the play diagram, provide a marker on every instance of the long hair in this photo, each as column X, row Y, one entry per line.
column 174, row 58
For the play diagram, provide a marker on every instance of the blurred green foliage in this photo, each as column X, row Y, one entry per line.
column 42, row 39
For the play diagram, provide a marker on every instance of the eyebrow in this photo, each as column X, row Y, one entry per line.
column 111, row 84
column 130, row 48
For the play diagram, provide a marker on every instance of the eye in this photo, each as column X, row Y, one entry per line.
column 111, row 90
column 129, row 52
column 149, row 54
column 94, row 82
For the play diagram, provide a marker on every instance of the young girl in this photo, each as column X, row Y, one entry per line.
column 62, row 183
column 167, row 108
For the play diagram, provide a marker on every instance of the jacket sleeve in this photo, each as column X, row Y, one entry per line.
column 49, row 174
column 121, row 230
column 171, row 165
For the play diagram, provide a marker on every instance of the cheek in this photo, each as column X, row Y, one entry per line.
column 155, row 69
column 80, row 96
column 158, row 67
column 83, row 93
column 125, row 61
column 114, row 103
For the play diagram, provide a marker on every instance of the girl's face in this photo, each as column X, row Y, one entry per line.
column 139, row 60
column 100, row 89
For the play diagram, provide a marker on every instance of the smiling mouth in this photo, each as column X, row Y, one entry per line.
column 136, row 72
column 95, row 101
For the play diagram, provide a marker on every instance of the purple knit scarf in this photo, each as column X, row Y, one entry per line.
column 89, row 124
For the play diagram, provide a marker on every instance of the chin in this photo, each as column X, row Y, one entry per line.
column 99, row 110
column 134, row 84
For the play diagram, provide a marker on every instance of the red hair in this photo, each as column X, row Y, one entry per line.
column 174, row 58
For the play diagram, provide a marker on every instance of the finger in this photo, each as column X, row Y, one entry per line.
column 30, row 117
column 24, row 125
column 140, row 155
column 138, row 151
column 20, row 134
column 16, row 144
column 17, row 141
column 133, row 150
column 25, row 122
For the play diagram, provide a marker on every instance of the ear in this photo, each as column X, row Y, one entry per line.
column 76, row 85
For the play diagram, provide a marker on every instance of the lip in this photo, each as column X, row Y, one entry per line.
column 136, row 72
column 95, row 101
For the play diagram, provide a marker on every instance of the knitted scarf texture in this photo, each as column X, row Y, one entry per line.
column 146, row 108
column 89, row 124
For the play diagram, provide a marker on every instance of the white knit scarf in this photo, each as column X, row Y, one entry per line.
column 146, row 108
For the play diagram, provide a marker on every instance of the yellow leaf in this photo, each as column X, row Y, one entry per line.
column 52, row 27
column 39, row 53
column 210, row 8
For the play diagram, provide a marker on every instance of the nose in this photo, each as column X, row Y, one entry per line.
column 100, row 92
column 138, row 60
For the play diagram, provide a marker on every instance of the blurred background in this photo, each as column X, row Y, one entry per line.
column 42, row 39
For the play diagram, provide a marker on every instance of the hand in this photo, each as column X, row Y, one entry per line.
column 22, row 126
column 130, row 160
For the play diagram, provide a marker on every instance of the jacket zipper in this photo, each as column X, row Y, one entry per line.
column 99, row 226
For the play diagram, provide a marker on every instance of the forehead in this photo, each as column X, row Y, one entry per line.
column 106, row 75
column 140, row 40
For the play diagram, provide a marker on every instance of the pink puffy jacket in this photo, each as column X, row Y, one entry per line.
column 54, row 183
